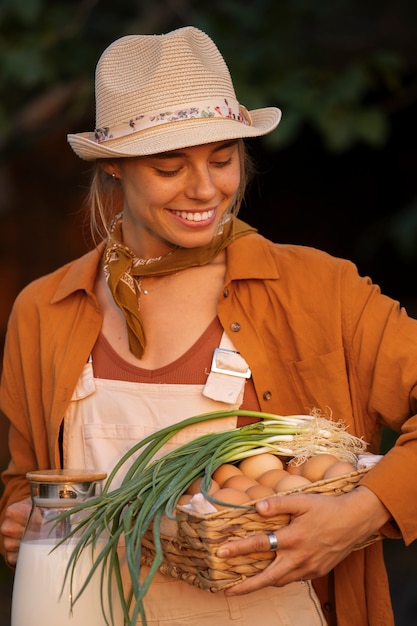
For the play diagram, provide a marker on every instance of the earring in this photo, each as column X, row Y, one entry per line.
column 113, row 176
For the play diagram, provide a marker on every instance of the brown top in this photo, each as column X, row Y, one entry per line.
column 192, row 368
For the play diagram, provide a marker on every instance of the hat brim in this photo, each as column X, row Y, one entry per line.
column 175, row 135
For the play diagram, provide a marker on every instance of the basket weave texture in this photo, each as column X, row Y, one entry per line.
column 190, row 555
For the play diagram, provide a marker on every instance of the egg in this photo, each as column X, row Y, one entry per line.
column 242, row 482
column 229, row 496
column 271, row 477
column 256, row 492
column 223, row 472
column 184, row 499
column 195, row 486
column 291, row 481
column 315, row 466
column 339, row 469
column 294, row 467
column 254, row 466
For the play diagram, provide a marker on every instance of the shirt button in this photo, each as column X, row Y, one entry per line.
column 235, row 327
column 267, row 395
column 330, row 610
column 226, row 292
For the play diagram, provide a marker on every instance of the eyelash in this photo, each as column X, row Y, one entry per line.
column 168, row 173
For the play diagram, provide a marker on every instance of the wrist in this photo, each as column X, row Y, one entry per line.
column 370, row 508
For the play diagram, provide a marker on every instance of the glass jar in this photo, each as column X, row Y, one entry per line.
column 40, row 597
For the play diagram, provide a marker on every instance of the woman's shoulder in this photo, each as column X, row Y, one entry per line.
column 264, row 253
column 78, row 274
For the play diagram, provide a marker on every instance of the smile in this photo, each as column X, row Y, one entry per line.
column 195, row 217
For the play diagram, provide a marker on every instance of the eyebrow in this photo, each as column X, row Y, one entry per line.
column 174, row 154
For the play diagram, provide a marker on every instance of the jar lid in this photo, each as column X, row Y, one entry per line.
column 64, row 488
column 65, row 475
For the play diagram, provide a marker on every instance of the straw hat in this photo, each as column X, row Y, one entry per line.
column 156, row 93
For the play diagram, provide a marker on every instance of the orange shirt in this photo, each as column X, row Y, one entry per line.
column 314, row 333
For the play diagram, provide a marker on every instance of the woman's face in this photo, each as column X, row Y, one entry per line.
column 177, row 198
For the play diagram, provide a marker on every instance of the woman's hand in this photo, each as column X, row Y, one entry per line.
column 13, row 527
column 323, row 530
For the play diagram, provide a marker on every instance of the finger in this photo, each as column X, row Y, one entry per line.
column 11, row 549
column 281, row 505
column 283, row 570
column 12, row 531
column 11, row 559
column 11, row 543
column 262, row 543
column 267, row 578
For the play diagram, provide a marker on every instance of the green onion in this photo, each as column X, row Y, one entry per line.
column 152, row 486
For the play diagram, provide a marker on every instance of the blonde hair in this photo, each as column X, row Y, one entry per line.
column 105, row 197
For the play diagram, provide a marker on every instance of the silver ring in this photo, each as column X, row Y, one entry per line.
column 273, row 541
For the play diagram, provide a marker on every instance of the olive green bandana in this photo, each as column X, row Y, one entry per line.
column 122, row 267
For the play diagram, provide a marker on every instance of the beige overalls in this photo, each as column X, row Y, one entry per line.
column 104, row 420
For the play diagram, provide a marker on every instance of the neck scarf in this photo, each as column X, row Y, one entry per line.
column 122, row 267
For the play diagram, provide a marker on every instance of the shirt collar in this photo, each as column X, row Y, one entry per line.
column 81, row 275
column 251, row 258
column 247, row 258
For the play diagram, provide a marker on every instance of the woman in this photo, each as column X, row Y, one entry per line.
column 120, row 342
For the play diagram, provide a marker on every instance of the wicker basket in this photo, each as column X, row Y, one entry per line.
column 190, row 555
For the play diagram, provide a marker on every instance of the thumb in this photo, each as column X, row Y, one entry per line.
column 280, row 505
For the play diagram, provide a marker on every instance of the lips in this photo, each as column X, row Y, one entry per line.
column 195, row 216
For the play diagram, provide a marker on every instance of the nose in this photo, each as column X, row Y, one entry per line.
column 200, row 184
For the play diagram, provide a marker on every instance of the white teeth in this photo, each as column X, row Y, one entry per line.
column 194, row 217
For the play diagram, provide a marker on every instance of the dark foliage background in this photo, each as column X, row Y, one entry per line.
column 339, row 174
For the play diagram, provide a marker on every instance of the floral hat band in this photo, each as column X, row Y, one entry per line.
column 159, row 93
column 227, row 108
